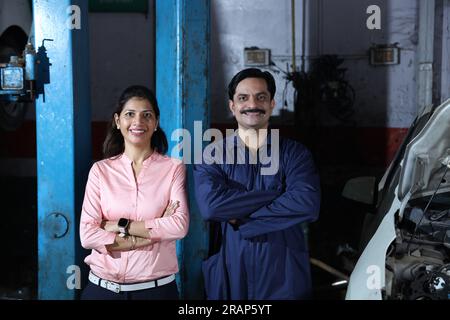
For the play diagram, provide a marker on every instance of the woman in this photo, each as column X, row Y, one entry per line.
column 134, row 208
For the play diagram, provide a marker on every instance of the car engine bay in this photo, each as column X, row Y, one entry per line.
column 418, row 261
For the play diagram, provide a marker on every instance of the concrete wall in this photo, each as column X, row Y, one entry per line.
column 385, row 96
column 122, row 54
column 236, row 24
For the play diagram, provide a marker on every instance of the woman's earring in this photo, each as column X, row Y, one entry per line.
column 156, row 129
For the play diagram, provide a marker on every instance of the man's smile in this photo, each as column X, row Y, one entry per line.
column 253, row 111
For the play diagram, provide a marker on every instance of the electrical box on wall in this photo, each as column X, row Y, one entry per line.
column 381, row 55
column 255, row 57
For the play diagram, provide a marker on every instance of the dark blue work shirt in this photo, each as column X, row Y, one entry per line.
column 263, row 254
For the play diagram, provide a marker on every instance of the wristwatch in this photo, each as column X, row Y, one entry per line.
column 123, row 226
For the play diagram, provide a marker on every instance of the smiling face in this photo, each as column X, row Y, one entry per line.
column 137, row 122
column 252, row 105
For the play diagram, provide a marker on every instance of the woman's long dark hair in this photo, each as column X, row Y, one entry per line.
column 114, row 143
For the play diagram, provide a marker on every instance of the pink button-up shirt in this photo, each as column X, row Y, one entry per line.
column 112, row 192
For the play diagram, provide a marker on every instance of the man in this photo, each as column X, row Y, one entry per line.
column 263, row 253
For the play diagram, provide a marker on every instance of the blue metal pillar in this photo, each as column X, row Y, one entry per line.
column 63, row 144
column 182, row 89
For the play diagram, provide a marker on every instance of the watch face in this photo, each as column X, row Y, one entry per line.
column 123, row 223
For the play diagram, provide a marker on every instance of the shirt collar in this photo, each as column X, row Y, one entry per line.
column 127, row 161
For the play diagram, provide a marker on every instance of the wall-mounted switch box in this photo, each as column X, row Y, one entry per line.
column 255, row 57
column 381, row 55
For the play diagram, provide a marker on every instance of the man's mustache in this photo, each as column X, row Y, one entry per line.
column 254, row 110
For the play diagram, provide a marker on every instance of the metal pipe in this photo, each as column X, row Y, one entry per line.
column 294, row 67
column 425, row 54
column 329, row 269
column 303, row 36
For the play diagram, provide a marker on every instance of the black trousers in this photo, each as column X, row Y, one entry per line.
column 166, row 292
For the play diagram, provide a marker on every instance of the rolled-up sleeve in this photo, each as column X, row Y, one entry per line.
column 176, row 225
column 92, row 236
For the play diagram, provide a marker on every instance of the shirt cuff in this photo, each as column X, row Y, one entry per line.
column 109, row 239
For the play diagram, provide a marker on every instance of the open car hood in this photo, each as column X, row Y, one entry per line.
column 426, row 156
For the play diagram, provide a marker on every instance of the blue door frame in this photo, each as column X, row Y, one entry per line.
column 182, row 89
column 63, row 134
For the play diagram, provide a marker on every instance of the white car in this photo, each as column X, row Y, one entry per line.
column 406, row 241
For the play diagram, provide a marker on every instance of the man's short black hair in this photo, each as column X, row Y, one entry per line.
column 252, row 73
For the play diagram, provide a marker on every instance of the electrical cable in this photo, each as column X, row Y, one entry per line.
column 426, row 207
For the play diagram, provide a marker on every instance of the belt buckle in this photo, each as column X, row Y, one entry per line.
column 112, row 286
